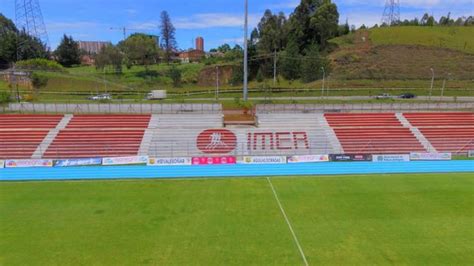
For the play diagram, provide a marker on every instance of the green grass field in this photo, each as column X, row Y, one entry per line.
column 346, row 220
column 456, row 38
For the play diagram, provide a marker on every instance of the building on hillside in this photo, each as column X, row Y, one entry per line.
column 89, row 50
column 215, row 54
column 191, row 56
column 200, row 43
column 92, row 47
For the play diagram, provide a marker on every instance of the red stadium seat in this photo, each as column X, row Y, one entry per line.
column 99, row 136
column 20, row 135
column 447, row 132
column 373, row 133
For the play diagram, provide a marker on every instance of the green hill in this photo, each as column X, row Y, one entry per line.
column 455, row 38
column 405, row 53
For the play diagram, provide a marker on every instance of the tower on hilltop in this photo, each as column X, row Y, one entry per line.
column 391, row 14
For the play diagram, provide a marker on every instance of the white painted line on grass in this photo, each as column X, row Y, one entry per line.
column 288, row 222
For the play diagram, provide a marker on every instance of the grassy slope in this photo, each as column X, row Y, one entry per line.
column 455, row 38
column 401, row 219
column 406, row 53
column 381, row 63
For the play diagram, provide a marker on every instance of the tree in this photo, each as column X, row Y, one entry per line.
column 270, row 33
column 313, row 21
column 68, row 53
column 430, row 21
column 324, row 22
column 237, row 75
column 290, row 61
column 312, row 64
column 38, row 81
column 109, row 56
column 140, row 49
column 424, row 19
column 8, row 43
column 446, row 21
column 469, row 21
column 344, row 29
column 175, row 75
column 224, row 48
column 269, row 37
column 168, row 40
column 30, row 47
column 259, row 76
column 18, row 45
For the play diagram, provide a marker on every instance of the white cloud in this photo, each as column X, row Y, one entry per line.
column 67, row 26
column 214, row 20
column 202, row 21
column 291, row 4
column 233, row 41
column 406, row 3
column 131, row 11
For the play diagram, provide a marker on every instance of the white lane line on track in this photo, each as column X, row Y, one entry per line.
column 288, row 223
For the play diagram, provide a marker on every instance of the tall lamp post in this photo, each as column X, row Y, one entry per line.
column 246, row 51
column 444, row 85
column 432, row 82
column 324, row 80
column 217, row 82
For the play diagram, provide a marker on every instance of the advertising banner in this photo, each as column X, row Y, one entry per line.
column 78, row 162
column 391, row 158
column 125, row 160
column 308, row 159
column 417, row 156
column 169, row 161
column 214, row 160
column 350, row 157
column 471, row 154
column 2, row 163
column 28, row 163
column 263, row 160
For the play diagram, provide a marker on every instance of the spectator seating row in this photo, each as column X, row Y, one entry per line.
column 20, row 135
column 447, row 132
column 373, row 133
column 99, row 136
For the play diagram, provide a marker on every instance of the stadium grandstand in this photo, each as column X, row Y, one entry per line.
column 178, row 135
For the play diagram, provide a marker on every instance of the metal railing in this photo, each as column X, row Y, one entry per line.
column 363, row 107
column 111, row 108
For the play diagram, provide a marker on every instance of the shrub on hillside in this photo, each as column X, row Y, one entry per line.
column 4, row 97
column 40, row 64
column 39, row 81
column 175, row 74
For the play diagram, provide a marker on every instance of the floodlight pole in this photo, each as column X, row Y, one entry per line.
column 432, row 82
column 246, row 51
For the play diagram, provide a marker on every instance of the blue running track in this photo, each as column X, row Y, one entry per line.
column 136, row 172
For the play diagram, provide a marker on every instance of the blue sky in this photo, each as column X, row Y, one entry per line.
column 218, row 21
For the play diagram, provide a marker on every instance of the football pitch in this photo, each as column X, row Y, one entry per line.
column 425, row 219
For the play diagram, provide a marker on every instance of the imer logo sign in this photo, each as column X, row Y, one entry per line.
column 223, row 141
column 217, row 141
